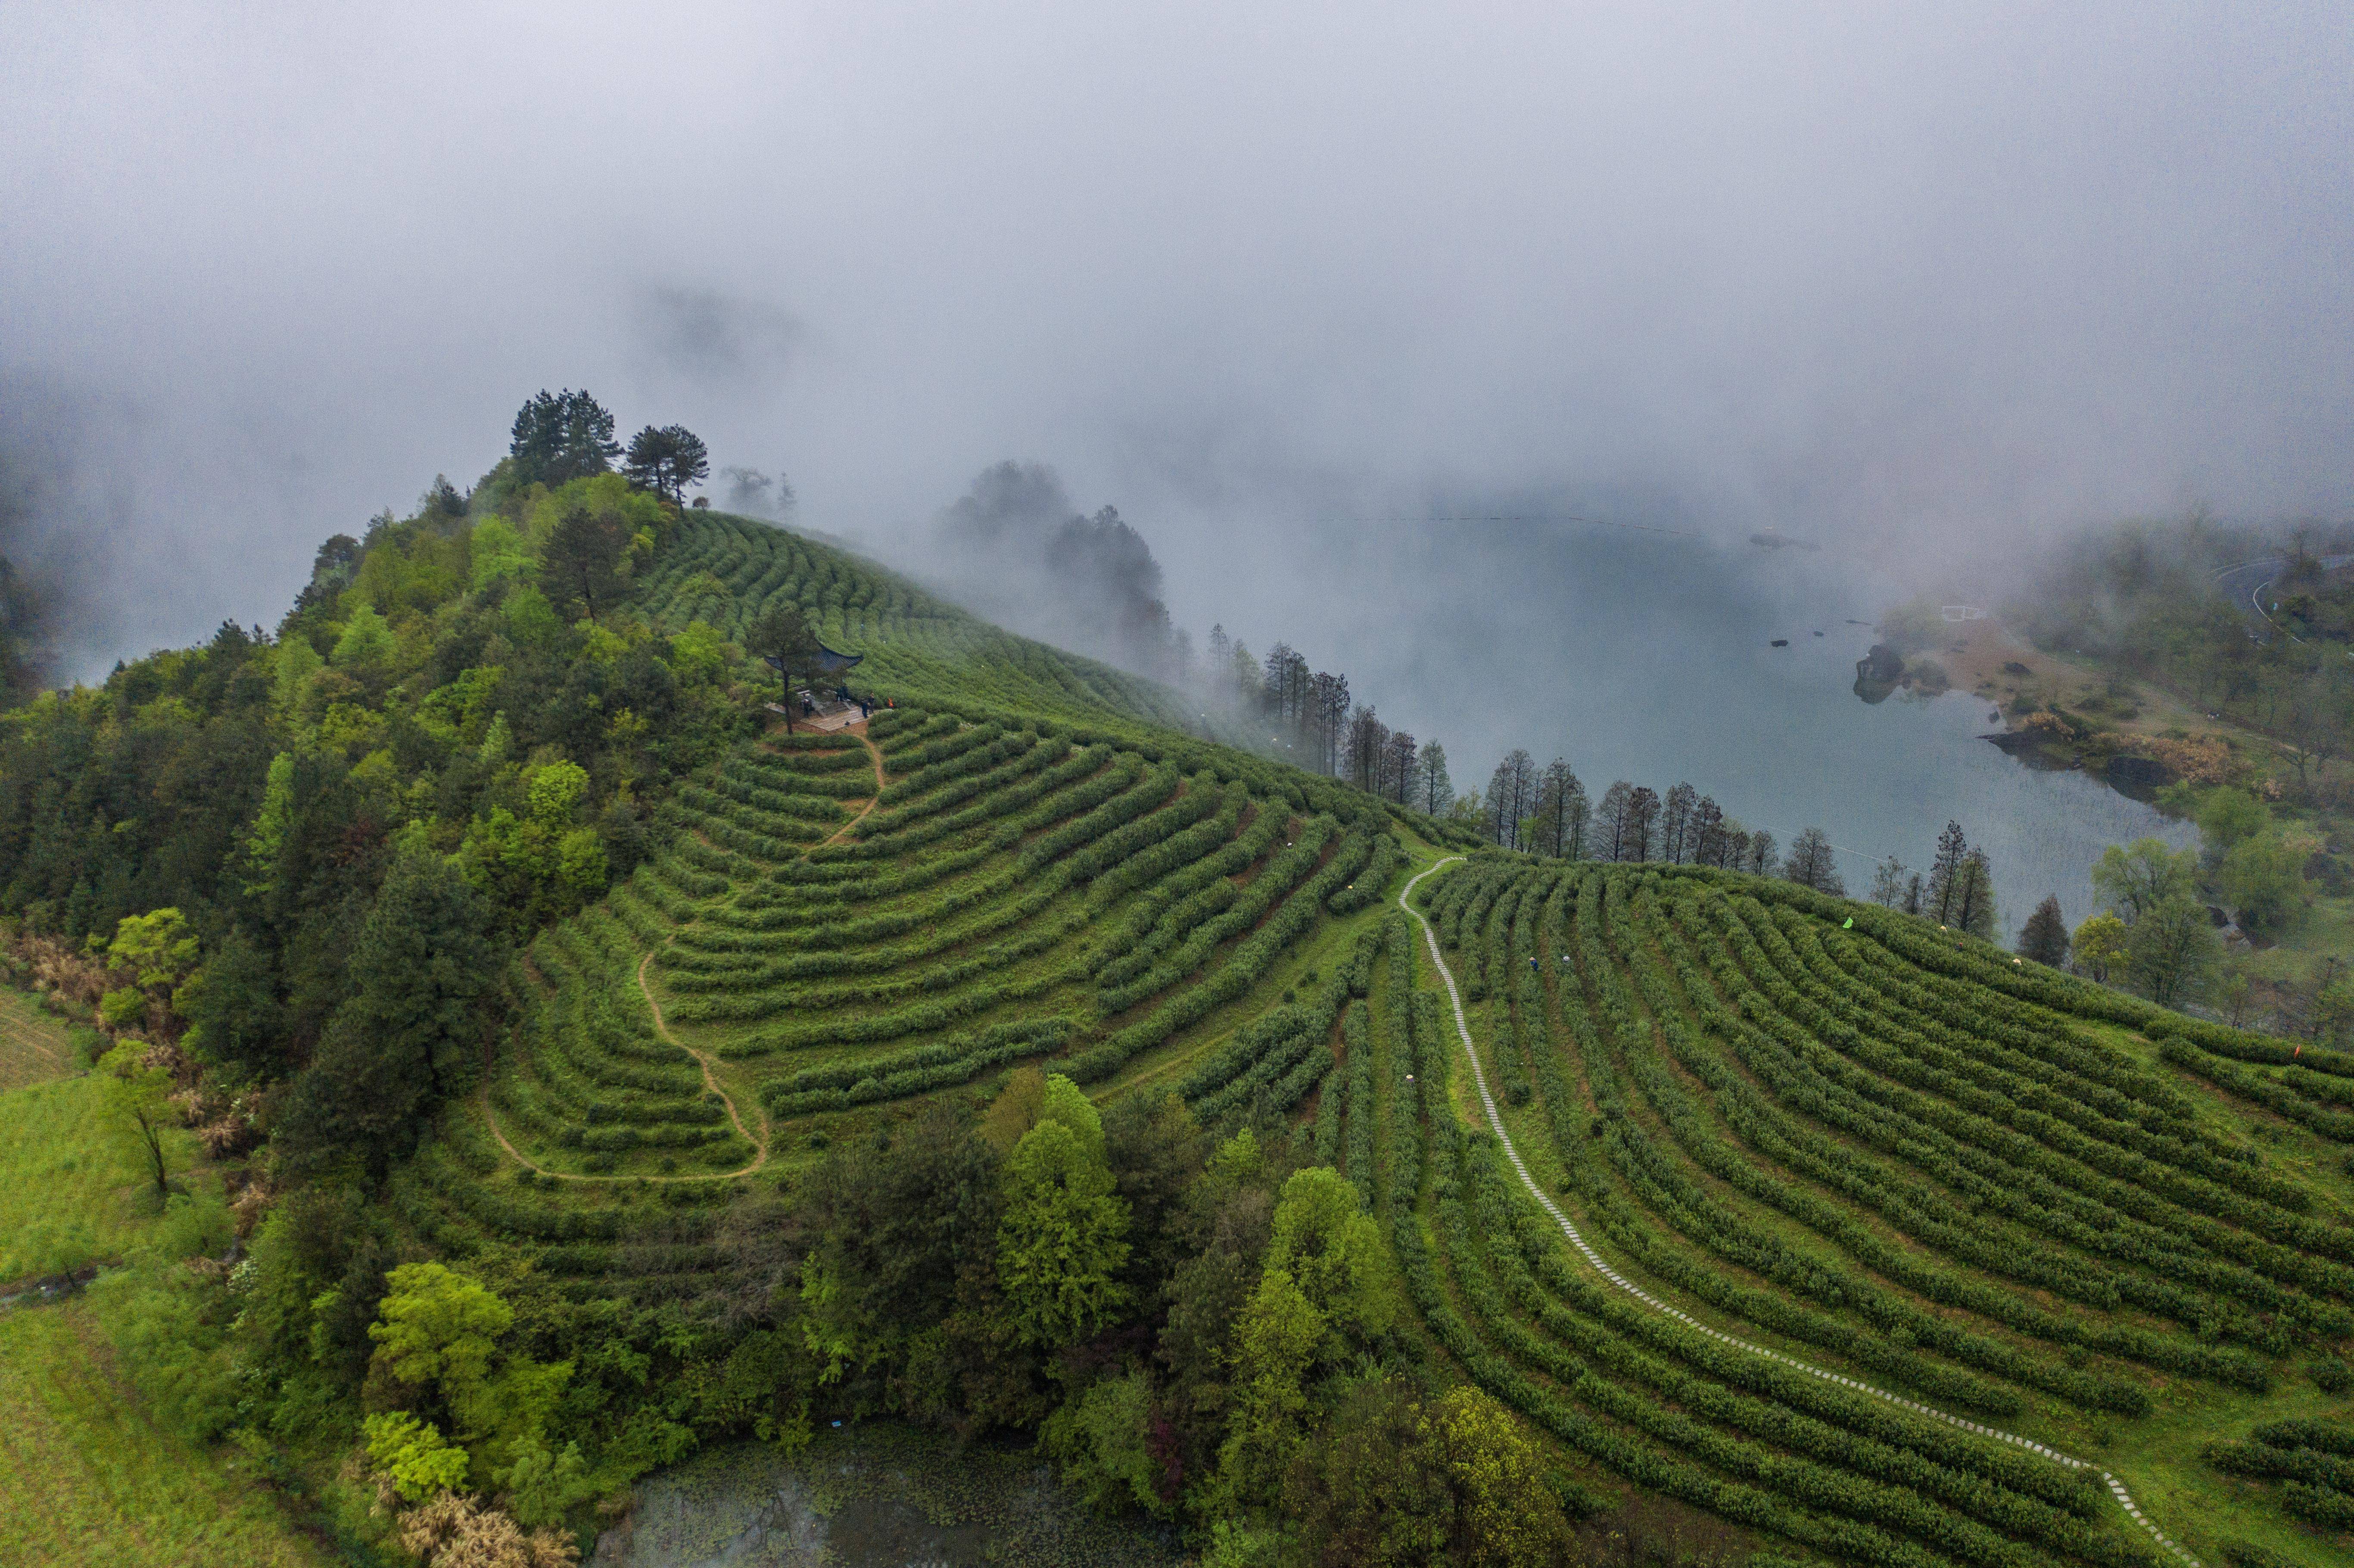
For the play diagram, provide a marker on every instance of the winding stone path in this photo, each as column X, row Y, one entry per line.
column 1496, row 1124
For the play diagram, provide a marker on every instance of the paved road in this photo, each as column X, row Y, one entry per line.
column 2245, row 585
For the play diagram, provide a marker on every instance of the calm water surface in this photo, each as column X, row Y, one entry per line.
column 1649, row 658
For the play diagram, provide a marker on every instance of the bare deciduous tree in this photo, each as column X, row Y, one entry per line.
column 1813, row 864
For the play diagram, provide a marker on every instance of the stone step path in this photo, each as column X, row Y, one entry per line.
column 1496, row 1124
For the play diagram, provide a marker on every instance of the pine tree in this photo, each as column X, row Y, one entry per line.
column 1561, row 811
column 1710, row 839
column 1245, row 676
column 1511, row 796
column 1888, row 882
column 413, row 1033
column 1676, row 844
column 232, row 1006
column 581, row 563
column 1952, row 847
column 1367, row 746
column 441, row 500
column 2044, row 938
column 1398, row 768
column 667, row 460
column 1971, row 901
column 1610, row 821
column 562, row 436
column 1328, row 718
column 1639, row 830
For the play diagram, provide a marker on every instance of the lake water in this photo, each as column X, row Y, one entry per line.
column 1649, row 658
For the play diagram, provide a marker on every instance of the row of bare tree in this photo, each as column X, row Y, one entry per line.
column 1547, row 811
column 1311, row 713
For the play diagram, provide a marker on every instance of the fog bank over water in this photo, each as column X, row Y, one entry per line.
column 1280, row 284
column 1649, row 658
column 1925, row 283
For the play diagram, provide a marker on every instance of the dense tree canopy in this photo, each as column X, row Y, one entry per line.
column 415, row 1031
column 561, row 437
column 667, row 459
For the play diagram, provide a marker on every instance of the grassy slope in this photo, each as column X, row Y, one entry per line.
column 33, row 1044
column 73, row 1185
column 86, row 1478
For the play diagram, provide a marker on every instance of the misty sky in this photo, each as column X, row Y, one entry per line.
column 1891, row 276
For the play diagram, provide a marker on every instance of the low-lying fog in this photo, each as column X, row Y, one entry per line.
column 1279, row 282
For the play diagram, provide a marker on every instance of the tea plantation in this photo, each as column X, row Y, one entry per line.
column 1811, row 1215
column 840, row 924
column 1830, row 1222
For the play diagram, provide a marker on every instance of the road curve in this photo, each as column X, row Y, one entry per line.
column 1496, row 1125
column 2244, row 585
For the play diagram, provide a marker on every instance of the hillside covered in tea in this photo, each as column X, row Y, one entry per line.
column 521, row 1051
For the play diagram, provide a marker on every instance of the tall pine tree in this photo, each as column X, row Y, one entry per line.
column 562, row 436
column 2044, row 938
column 1561, row 811
column 413, row 1033
column 1952, row 847
column 1970, row 897
column 1434, row 792
column 1811, row 863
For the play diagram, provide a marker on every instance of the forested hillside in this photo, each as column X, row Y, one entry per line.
column 2206, row 666
column 553, row 1066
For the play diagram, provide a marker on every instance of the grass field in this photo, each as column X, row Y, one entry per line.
column 74, row 1186
column 86, row 1478
column 33, row 1044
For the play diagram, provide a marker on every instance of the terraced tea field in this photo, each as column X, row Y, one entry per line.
column 843, row 924
column 1803, row 1212
column 1842, row 1229
column 725, row 570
